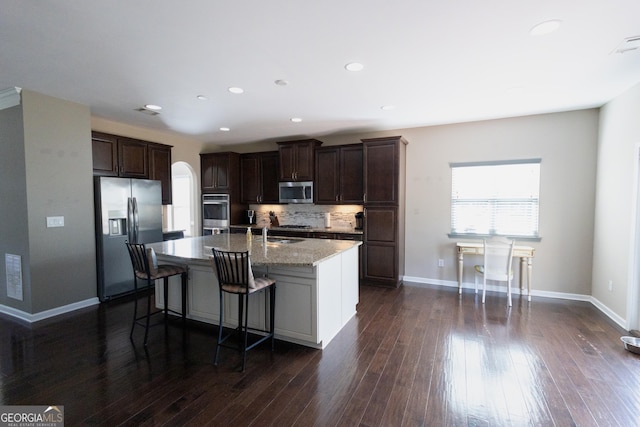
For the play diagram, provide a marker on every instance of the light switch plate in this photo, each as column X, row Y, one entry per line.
column 55, row 221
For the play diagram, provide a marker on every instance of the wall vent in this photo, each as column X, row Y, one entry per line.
column 628, row 45
column 147, row 111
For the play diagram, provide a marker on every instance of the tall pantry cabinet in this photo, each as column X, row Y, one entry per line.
column 384, row 162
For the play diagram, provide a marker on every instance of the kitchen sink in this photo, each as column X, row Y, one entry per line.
column 283, row 240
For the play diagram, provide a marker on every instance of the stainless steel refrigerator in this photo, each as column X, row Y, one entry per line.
column 126, row 210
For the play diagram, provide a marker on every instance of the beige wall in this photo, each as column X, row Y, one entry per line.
column 59, row 180
column 566, row 143
column 615, row 211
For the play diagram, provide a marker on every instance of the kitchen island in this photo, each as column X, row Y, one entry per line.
column 316, row 283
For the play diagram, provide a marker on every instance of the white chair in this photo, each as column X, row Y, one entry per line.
column 498, row 256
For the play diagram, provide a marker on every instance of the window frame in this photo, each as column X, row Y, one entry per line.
column 458, row 234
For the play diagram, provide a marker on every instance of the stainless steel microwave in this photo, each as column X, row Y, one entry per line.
column 296, row 192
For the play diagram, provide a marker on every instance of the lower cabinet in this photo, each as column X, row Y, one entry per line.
column 381, row 250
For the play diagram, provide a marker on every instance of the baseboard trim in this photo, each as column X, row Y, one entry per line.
column 421, row 281
column 31, row 318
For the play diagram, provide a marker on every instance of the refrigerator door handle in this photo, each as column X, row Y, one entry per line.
column 130, row 220
column 136, row 223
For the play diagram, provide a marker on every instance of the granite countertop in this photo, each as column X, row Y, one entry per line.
column 304, row 252
column 274, row 230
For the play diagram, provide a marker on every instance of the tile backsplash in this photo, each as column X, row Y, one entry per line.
column 342, row 216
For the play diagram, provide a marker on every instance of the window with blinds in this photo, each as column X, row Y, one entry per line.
column 495, row 198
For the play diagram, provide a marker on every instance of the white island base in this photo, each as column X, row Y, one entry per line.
column 313, row 303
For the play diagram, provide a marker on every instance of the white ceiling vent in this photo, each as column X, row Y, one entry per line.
column 147, row 111
column 628, row 45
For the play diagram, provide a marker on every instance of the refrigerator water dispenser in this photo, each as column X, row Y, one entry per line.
column 117, row 226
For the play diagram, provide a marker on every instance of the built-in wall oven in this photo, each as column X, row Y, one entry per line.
column 215, row 214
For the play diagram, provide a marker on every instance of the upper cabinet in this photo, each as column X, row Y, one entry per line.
column 119, row 156
column 338, row 175
column 259, row 173
column 297, row 159
column 160, row 169
column 124, row 157
column 381, row 170
column 220, row 173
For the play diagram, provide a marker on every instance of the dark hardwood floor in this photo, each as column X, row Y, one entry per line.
column 412, row 356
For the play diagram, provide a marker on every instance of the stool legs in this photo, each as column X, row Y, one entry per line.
column 215, row 361
column 272, row 307
column 242, row 330
column 135, row 308
column 244, row 299
column 137, row 319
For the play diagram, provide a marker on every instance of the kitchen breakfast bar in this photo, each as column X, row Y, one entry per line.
column 316, row 280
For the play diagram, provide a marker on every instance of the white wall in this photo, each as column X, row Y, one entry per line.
column 615, row 201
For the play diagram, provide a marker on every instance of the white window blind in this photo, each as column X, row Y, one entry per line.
column 495, row 198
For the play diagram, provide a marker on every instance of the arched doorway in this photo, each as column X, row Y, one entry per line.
column 185, row 206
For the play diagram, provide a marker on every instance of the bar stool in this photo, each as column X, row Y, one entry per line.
column 145, row 267
column 235, row 277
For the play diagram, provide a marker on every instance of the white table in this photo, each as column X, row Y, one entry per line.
column 525, row 253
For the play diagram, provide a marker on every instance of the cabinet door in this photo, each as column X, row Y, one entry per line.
column 133, row 158
column 270, row 174
column 351, row 189
column 380, row 225
column 104, row 149
column 207, row 175
column 327, row 182
column 250, row 178
column 287, row 162
column 160, row 169
column 221, row 172
column 380, row 263
column 380, row 172
column 215, row 171
column 304, row 161
column 380, row 252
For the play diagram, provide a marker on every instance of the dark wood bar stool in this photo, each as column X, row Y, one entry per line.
column 145, row 268
column 236, row 277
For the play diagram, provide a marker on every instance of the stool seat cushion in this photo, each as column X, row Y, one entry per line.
column 260, row 283
column 162, row 271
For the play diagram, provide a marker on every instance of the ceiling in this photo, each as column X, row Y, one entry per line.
column 436, row 62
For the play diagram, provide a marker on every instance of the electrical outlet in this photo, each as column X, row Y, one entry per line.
column 441, row 263
column 610, row 285
column 55, row 221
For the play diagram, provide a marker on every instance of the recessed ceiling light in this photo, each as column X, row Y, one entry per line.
column 234, row 89
column 354, row 66
column 202, row 97
column 225, row 129
column 153, row 107
column 545, row 27
column 296, row 119
column 281, row 82
column 388, row 107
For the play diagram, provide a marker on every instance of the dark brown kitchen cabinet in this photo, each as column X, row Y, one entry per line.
column 384, row 210
column 160, row 169
column 338, row 175
column 259, row 174
column 119, row 156
column 133, row 157
column 297, row 159
column 125, row 157
column 220, row 173
column 104, row 149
